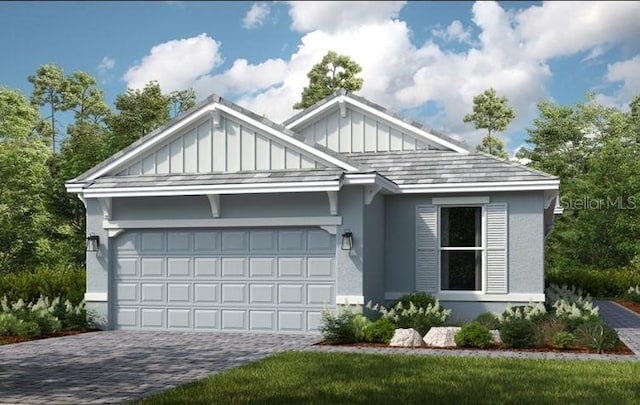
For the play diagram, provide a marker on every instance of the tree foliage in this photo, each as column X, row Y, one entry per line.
column 595, row 152
column 48, row 86
column 492, row 113
column 333, row 73
column 493, row 146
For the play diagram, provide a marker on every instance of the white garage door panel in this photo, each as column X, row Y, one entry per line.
column 244, row 280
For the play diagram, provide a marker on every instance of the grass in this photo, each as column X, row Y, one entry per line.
column 349, row 378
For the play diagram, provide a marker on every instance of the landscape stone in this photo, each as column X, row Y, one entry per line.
column 406, row 338
column 441, row 336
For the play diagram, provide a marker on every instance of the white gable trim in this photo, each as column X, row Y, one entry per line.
column 168, row 132
column 381, row 115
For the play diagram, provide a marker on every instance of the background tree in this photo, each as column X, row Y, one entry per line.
column 48, row 85
column 493, row 146
column 24, row 180
column 139, row 112
column 492, row 113
column 182, row 100
column 333, row 73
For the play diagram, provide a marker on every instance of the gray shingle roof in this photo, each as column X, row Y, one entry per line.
column 284, row 176
column 436, row 167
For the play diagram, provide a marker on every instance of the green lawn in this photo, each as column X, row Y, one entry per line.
column 339, row 378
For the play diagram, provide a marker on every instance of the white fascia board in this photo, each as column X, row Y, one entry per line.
column 288, row 139
column 212, row 189
column 223, row 222
column 479, row 187
column 357, row 179
column 74, row 188
column 382, row 115
column 152, row 142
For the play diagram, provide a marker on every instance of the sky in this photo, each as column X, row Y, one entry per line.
column 424, row 60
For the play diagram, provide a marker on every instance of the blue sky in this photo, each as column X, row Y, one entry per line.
column 425, row 60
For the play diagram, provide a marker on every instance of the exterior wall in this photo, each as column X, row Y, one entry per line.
column 466, row 311
column 97, row 265
column 359, row 132
column 350, row 263
column 231, row 206
column 204, row 148
column 374, row 226
column 525, row 246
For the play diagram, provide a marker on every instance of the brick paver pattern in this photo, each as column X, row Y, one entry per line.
column 112, row 367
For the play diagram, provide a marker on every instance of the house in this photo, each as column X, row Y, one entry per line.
column 224, row 220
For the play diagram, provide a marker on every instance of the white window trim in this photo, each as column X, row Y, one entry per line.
column 483, row 249
column 474, row 200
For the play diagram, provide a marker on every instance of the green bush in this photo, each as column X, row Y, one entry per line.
column 49, row 315
column 380, row 331
column 337, row 327
column 45, row 320
column 419, row 299
column 563, row 340
column 359, row 325
column 473, row 334
column 67, row 282
column 8, row 324
column 28, row 329
column 517, row 332
column 597, row 336
column 597, row 283
column 488, row 320
column 632, row 294
column 546, row 329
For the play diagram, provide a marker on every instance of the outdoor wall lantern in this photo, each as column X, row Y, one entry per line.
column 93, row 241
column 347, row 240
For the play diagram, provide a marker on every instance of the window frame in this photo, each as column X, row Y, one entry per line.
column 482, row 249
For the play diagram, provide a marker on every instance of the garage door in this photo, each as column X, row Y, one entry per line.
column 271, row 280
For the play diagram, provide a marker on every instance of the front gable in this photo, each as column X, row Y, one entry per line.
column 346, row 124
column 222, row 145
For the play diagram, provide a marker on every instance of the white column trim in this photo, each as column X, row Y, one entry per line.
column 83, row 200
column 332, row 229
column 214, row 201
column 333, row 202
column 350, row 299
column 113, row 232
column 95, row 297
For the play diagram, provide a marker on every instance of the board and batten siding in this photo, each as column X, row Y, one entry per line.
column 495, row 281
column 231, row 147
column 360, row 132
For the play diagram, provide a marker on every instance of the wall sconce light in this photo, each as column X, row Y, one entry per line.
column 93, row 241
column 347, row 240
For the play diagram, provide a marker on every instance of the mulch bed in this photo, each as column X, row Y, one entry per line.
column 16, row 339
column 632, row 305
column 621, row 349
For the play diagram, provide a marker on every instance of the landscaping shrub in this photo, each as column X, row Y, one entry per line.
column 597, row 283
column 359, row 325
column 11, row 325
column 532, row 312
column 546, row 329
column 632, row 294
column 380, row 331
column 419, row 299
column 27, row 329
column 473, row 334
column 337, row 327
column 597, row 336
column 563, row 340
column 517, row 332
column 66, row 282
column 49, row 315
column 488, row 320
column 407, row 314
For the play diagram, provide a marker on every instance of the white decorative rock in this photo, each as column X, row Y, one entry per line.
column 495, row 335
column 441, row 336
column 406, row 338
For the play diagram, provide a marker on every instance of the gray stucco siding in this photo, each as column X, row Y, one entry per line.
column 231, row 206
column 525, row 248
column 374, row 228
column 350, row 264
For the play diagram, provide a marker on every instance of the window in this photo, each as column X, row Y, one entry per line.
column 461, row 248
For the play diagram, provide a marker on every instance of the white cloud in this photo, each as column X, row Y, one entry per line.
column 628, row 74
column 563, row 28
column 176, row 64
column 308, row 16
column 454, row 32
column 106, row 64
column 243, row 77
column 256, row 15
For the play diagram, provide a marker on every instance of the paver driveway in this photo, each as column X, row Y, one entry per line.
column 115, row 366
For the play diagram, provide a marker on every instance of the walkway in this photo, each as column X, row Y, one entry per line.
column 625, row 321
